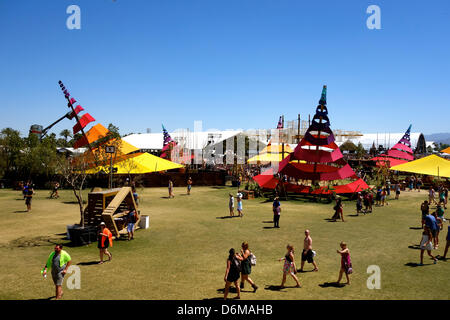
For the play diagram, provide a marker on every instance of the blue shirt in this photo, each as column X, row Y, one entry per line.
column 430, row 222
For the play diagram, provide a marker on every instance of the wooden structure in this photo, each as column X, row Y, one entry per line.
column 111, row 207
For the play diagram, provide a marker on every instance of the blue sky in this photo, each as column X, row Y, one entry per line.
column 232, row 64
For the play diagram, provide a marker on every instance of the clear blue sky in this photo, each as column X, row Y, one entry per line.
column 232, row 64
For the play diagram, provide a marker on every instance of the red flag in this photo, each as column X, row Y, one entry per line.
column 72, row 101
column 84, row 121
column 77, row 110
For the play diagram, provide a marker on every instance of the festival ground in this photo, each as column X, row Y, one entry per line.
column 183, row 254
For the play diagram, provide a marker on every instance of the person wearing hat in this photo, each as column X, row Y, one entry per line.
column 276, row 207
column 104, row 241
column 59, row 261
column 239, row 204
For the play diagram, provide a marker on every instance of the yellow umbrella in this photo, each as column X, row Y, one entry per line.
column 139, row 163
column 431, row 165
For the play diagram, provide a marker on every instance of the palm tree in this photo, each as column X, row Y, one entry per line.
column 66, row 134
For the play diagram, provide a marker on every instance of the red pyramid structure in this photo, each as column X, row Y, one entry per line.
column 318, row 158
column 398, row 154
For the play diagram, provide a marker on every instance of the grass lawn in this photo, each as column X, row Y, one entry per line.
column 183, row 254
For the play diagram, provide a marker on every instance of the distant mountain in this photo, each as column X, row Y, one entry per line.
column 438, row 137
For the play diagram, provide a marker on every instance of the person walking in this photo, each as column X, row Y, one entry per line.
column 135, row 195
column 58, row 261
column 231, row 205
column 359, row 205
column 276, row 208
column 289, row 266
column 431, row 195
column 104, row 242
column 440, row 224
column 397, row 191
column 189, row 185
column 447, row 244
column 246, row 267
column 346, row 263
column 171, row 189
column 426, row 244
column 308, row 253
column 425, row 208
column 29, row 196
column 232, row 274
column 131, row 223
column 431, row 223
column 54, row 194
column 338, row 210
column 239, row 204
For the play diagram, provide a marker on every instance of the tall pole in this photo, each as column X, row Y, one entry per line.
column 111, row 172
column 298, row 129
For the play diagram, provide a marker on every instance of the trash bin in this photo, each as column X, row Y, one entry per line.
column 144, row 223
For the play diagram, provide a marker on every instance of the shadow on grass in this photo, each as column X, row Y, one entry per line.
column 89, row 263
column 227, row 217
column 267, row 222
column 218, row 187
column 353, row 215
column 73, row 202
column 279, row 288
column 413, row 264
column 270, row 228
column 416, row 247
column 43, row 299
column 415, row 228
column 332, row 285
column 21, row 211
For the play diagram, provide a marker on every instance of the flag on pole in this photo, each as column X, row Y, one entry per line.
column 84, row 121
column 168, row 143
column 280, row 123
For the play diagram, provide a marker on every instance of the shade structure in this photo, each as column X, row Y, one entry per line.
column 432, row 165
column 400, row 153
column 271, row 153
column 266, row 180
column 138, row 163
column 95, row 133
column 321, row 157
column 446, row 150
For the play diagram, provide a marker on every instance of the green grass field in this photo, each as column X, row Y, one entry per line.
column 183, row 254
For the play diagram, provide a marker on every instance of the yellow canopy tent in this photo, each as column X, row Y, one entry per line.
column 446, row 150
column 271, row 153
column 138, row 163
column 431, row 165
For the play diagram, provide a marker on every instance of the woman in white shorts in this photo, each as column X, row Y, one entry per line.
column 426, row 244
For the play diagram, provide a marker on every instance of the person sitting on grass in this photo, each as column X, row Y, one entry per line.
column 346, row 263
column 426, row 244
column 289, row 266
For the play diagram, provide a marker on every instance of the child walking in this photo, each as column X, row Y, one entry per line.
column 289, row 266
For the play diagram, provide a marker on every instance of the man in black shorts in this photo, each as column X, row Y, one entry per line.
column 307, row 253
column 29, row 197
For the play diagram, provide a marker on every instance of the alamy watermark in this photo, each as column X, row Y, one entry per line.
column 374, row 20
column 374, row 280
column 74, row 20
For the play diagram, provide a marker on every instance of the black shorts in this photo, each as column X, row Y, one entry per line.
column 307, row 256
column 100, row 244
column 28, row 201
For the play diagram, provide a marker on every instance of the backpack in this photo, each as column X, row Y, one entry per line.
column 252, row 259
column 237, row 264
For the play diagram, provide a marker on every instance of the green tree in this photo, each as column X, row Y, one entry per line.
column 360, row 151
column 11, row 145
column 66, row 134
